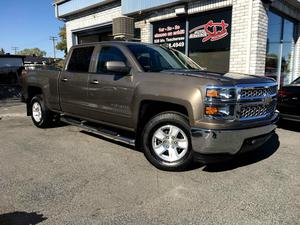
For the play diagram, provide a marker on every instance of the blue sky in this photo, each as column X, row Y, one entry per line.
column 28, row 24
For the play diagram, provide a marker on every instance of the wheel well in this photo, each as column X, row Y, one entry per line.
column 149, row 109
column 32, row 91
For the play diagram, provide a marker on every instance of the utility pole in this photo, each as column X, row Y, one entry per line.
column 15, row 49
column 54, row 39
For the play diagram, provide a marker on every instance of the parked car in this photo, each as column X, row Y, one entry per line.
column 149, row 96
column 11, row 67
column 289, row 101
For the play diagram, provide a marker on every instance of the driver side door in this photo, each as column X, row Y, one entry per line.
column 110, row 93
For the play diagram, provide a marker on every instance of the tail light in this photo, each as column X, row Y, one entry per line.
column 23, row 75
column 284, row 93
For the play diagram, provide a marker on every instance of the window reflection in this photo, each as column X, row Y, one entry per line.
column 280, row 49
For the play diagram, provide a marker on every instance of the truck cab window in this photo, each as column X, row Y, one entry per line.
column 80, row 60
column 109, row 54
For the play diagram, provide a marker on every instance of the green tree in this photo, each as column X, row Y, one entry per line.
column 62, row 44
column 33, row 51
column 2, row 52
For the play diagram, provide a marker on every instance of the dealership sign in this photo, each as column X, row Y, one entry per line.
column 170, row 33
column 211, row 31
column 208, row 31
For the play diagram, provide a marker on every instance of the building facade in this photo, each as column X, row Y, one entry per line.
column 259, row 37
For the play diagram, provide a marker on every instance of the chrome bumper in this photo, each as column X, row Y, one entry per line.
column 226, row 141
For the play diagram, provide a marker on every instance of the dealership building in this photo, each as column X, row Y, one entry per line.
column 259, row 37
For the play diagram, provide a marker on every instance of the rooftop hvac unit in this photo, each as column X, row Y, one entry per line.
column 123, row 28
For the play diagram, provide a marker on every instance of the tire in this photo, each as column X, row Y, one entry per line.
column 162, row 147
column 41, row 116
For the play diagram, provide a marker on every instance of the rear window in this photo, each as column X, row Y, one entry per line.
column 80, row 60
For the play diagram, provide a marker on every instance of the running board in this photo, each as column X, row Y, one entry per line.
column 100, row 131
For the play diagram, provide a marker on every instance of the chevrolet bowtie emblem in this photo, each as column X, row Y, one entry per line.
column 268, row 100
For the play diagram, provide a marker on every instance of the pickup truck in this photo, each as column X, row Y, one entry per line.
column 157, row 99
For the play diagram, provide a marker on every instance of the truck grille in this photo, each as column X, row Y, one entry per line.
column 257, row 111
column 258, row 92
column 257, row 102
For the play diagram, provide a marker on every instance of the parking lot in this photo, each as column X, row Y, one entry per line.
column 66, row 176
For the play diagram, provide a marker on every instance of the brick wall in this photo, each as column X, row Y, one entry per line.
column 249, row 37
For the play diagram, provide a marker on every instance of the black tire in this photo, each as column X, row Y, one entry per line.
column 47, row 116
column 165, row 119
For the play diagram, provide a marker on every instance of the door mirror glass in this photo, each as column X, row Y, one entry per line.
column 117, row 67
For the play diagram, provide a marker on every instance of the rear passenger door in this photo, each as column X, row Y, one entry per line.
column 110, row 94
column 73, row 82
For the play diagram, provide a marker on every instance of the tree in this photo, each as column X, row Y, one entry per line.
column 33, row 51
column 2, row 52
column 62, row 45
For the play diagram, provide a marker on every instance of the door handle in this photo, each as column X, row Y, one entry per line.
column 64, row 79
column 94, row 82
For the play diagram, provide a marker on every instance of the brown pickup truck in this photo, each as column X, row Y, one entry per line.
column 156, row 99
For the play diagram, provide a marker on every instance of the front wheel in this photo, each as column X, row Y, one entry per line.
column 167, row 142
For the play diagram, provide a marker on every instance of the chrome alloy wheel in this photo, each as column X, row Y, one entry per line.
column 37, row 112
column 170, row 143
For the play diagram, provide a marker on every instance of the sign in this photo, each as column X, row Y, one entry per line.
column 210, row 32
column 171, row 33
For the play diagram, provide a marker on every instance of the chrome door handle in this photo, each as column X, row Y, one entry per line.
column 64, row 79
column 94, row 82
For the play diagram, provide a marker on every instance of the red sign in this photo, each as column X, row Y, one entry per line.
column 211, row 31
column 213, row 34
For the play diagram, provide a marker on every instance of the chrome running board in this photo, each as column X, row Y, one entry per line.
column 99, row 131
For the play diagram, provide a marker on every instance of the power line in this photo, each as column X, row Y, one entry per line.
column 54, row 39
column 15, row 49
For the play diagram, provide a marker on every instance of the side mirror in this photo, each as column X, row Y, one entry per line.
column 117, row 67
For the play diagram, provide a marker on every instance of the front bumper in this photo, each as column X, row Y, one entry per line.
column 230, row 142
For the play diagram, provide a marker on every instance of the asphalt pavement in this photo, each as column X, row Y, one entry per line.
column 64, row 176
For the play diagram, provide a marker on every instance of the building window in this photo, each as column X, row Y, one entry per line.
column 280, row 49
column 170, row 33
column 203, row 37
column 209, row 40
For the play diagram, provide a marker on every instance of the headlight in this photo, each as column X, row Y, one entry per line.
column 220, row 102
column 220, row 93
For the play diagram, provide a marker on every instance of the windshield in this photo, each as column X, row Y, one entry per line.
column 156, row 58
column 188, row 62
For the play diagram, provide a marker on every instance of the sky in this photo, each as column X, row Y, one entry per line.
column 28, row 24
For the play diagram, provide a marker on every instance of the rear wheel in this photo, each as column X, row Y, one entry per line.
column 41, row 116
column 167, row 142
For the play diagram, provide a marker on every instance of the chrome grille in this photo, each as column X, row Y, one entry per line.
column 258, row 92
column 257, row 110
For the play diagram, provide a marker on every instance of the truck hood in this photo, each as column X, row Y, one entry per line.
column 229, row 78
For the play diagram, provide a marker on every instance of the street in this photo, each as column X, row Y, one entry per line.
column 64, row 175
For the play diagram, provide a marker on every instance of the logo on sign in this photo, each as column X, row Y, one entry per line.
column 211, row 31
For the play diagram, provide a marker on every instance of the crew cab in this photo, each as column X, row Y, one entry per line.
column 157, row 99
